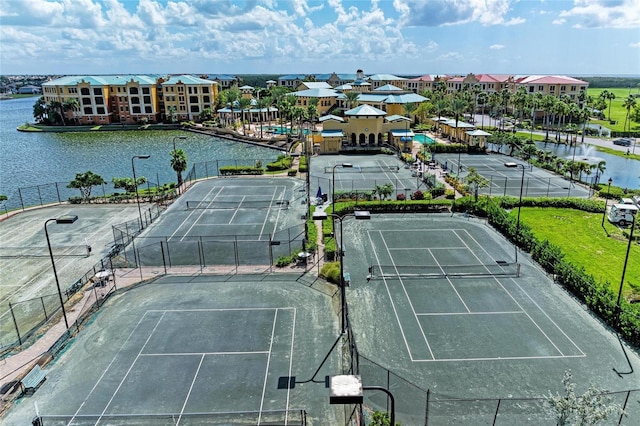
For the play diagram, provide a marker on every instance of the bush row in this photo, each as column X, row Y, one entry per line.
column 282, row 163
column 597, row 296
column 240, row 170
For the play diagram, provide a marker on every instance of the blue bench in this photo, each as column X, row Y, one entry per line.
column 33, row 380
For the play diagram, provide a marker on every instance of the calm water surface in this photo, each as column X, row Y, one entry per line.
column 28, row 159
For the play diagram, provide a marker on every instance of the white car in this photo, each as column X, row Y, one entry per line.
column 622, row 214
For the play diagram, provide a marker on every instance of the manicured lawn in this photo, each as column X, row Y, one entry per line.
column 618, row 112
column 580, row 236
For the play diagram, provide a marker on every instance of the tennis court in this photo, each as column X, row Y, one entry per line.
column 505, row 180
column 25, row 265
column 439, row 302
column 203, row 350
column 364, row 174
column 226, row 222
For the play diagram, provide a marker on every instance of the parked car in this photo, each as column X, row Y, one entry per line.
column 622, row 142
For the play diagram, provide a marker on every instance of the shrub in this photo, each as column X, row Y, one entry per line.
column 401, row 197
column 282, row 163
column 449, row 194
column 240, row 170
column 418, row 195
column 437, row 191
column 283, row 261
column 330, row 271
column 292, row 172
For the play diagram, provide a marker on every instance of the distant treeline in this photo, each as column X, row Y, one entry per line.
column 257, row 80
column 611, row 82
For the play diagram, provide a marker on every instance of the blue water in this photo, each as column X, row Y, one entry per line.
column 28, row 159
column 423, row 139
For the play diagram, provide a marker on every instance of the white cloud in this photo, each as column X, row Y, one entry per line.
column 496, row 47
column 636, row 45
column 604, row 14
column 559, row 21
column 453, row 12
column 450, row 56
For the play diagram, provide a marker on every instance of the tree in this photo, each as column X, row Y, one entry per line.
column 608, row 96
column 475, row 181
column 85, row 181
column 352, row 99
column 629, row 103
column 230, row 98
column 261, row 104
column 384, row 191
column 127, row 183
column 172, row 114
column 3, row 197
column 457, row 106
column 72, row 105
column 243, row 104
column 409, row 108
column 378, row 418
column 178, row 163
column 589, row 409
column 207, row 114
column 40, row 110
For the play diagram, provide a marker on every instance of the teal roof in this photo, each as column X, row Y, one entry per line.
column 221, row 77
column 345, row 87
column 317, row 84
column 388, row 88
column 332, row 133
column 330, row 117
column 397, row 117
column 360, row 83
column 385, row 77
column 103, row 80
column 292, row 77
column 187, row 79
column 365, row 110
column 317, row 93
column 246, row 87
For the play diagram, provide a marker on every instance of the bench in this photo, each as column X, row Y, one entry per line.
column 33, row 380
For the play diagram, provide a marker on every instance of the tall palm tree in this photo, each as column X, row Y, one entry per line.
column 290, row 102
column 583, row 116
column 482, row 99
column 440, row 107
column 520, row 101
column 629, row 103
column 230, row 98
column 494, row 102
column 458, row 106
column 505, row 97
column 609, row 96
column 178, row 163
column 72, row 105
column 261, row 104
column 547, row 104
column 243, row 105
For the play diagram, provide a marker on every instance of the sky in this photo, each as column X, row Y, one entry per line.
column 403, row 37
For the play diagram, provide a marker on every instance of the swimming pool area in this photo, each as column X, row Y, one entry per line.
column 282, row 130
column 422, row 138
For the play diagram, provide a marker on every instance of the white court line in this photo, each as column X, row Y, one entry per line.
column 435, row 314
column 427, row 248
column 449, row 281
column 108, row 367
column 236, row 211
column 293, row 334
column 201, row 353
column 194, row 212
column 266, row 372
column 195, row 376
column 513, row 298
column 500, row 358
column 404, row 289
column 129, row 370
column 275, row 225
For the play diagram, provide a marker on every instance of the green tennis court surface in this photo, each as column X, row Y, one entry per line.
column 204, row 351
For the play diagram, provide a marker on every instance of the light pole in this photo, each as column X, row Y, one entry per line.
column 359, row 215
column 63, row 220
column 135, row 182
column 604, row 214
column 182, row 138
column 624, row 268
column 519, row 203
column 333, row 180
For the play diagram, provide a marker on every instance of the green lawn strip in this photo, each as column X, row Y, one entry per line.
column 581, row 238
column 618, row 112
column 620, row 153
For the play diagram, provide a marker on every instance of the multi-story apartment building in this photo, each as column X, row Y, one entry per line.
column 553, row 85
column 186, row 96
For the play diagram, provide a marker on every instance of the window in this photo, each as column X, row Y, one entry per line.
column 86, row 101
column 148, row 109
column 133, row 90
column 193, row 99
column 135, row 100
column 181, row 99
column 97, row 91
column 85, row 91
column 205, row 99
column 540, row 88
column 73, row 90
column 573, row 88
column 135, row 110
column 147, row 99
column 146, row 91
column 552, row 88
column 100, row 100
column 88, row 110
column 100, row 110
column 205, row 90
column 531, row 89
column 194, row 108
column 563, row 88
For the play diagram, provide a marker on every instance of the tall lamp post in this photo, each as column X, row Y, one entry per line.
column 135, row 182
column 624, row 268
column 359, row 215
column 511, row 165
column 333, row 180
column 182, row 138
column 62, row 220
column 604, row 214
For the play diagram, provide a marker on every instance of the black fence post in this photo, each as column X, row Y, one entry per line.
column 164, row 263
column 39, row 195
column 426, row 413
column 58, row 192
column 15, row 323
column 495, row 416
column 44, row 309
column 201, row 254
column 21, row 200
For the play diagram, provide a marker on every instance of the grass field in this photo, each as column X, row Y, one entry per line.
column 581, row 237
column 618, row 112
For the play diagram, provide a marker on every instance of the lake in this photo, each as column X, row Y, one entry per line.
column 33, row 158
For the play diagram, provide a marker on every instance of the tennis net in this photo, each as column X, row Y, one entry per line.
column 362, row 169
column 43, row 251
column 232, row 205
column 498, row 269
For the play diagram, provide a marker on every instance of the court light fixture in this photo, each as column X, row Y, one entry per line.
column 604, row 213
column 63, row 220
column 346, row 389
column 182, row 138
column 359, row 215
column 514, row 165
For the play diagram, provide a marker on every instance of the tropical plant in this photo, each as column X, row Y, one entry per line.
column 72, row 105
column 352, row 99
column 475, row 181
column 179, row 163
column 85, row 182
column 243, row 105
column 127, row 183
column 3, row 197
column 207, row 114
column 230, row 98
column 629, row 103
column 172, row 114
column 457, row 106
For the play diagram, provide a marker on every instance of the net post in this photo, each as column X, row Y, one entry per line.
column 15, row 323
column 517, row 270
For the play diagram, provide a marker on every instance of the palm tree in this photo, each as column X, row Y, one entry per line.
column 494, row 102
column 408, row 109
column 609, row 96
column 243, row 104
column 600, row 168
column 482, row 100
column 505, row 97
column 230, row 98
column 40, row 109
column 520, row 101
column 352, row 99
column 583, row 115
column 457, row 107
column 261, row 104
column 547, row 104
column 72, row 105
column 440, row 106
column 178, row 163
column 629, row 103
column 290, row 102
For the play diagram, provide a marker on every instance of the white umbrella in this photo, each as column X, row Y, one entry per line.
column 104, row 274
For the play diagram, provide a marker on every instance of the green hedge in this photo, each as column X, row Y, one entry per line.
column 282, row 163
column 597, row 296
column 303, row 165
column 240, row 170
column 453, row 147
